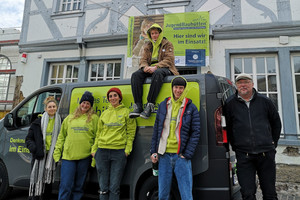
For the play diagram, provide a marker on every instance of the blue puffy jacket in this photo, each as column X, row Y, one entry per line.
column 189, row 129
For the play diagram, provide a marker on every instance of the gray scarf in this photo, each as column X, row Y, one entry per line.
column 43, row 170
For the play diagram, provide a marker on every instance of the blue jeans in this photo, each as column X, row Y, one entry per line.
column 72, row 178
column 110, row 165
column 169, row 163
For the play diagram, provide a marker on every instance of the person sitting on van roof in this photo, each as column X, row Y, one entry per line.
column 175, row 137
column 157, row 62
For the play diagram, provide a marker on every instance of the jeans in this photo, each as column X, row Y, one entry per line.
column 72, row 178
column 137, row 81
column 169, row 163
column 264, row 165
column 110, row 165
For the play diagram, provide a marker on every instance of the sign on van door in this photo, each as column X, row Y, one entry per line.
column 101, row 102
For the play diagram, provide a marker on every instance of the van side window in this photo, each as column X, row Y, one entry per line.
column 24, row 113
column 227, row 90
column 33, row 107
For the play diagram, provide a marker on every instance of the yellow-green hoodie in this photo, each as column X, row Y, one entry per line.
column 115, row 130
column 76, row 138
column 156, row 44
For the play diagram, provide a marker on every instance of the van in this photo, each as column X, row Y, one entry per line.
column 213, row 163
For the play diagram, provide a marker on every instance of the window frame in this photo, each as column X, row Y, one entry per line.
column 104, row 78
column 7, row 78
column 65, row 71
column 254, row 73
column 297, row 113
column 157, row 4
column 57, row 12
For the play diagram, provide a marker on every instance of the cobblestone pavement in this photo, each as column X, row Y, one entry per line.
column 288, row 194
column 288, row 197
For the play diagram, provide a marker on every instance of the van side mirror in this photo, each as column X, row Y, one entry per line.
column 9, row 120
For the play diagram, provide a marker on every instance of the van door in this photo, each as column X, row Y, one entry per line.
column 16, row 156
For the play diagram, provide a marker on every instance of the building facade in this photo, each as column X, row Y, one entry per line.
column 86, row 40
column 9, row 60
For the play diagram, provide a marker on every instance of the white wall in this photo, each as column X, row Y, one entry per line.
column 32, row 70
column 218, row 47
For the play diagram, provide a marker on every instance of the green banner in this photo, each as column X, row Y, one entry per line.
column 188, row 32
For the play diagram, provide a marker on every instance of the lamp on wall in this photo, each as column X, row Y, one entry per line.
column 24, row 57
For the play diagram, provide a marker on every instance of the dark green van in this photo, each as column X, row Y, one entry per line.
column 212, row 163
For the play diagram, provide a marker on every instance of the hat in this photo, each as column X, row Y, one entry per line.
column 117, row 90
column 179, row 81
column 87, row 96
column 243, row 76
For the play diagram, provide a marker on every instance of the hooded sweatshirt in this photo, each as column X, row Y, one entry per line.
column 159, row 53
column 172, row 142
column 170, row 139
column 49, row 132
column 115, row 130
column 156, row 44
column 76, row 138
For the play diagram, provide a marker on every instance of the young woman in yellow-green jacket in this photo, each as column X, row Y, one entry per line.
column 113, row 144
column 73, row 146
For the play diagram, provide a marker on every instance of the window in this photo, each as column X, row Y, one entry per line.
column 69, row 8
column 30, row 110
column 227, row 89
column 70, row 5
column 264, row 70
column 63, row 73
column 296, row 72
column 154, row 4
column 104, row 70
column 7, row 84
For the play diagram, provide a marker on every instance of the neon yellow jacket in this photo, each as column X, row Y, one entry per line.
column 115, row 130
column 76, row 138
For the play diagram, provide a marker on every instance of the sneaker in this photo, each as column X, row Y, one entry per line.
column 147, row 111
column 137, row 109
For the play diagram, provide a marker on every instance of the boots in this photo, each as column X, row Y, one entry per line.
column 137, row 109
column 147, row 111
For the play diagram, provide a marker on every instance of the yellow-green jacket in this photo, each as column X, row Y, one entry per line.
column 115, row 130
column 76, row 138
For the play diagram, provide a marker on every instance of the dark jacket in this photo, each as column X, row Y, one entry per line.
column 165, row 56
column 255, row 129
column 189, row 127
column 34, row 140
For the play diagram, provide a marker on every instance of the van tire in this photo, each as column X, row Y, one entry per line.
column 149, row 190
column 4, row 184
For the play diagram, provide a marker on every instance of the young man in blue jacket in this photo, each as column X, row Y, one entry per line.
column 175, row 136
column 253, row 126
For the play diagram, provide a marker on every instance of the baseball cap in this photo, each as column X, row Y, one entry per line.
column 243, row 76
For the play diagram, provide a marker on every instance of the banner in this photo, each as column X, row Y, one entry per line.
column 188, row 32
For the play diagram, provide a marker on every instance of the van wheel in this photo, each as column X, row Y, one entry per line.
column 149, row 190
column 4, row 186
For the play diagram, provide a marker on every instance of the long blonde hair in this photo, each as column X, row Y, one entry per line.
column 77, row 113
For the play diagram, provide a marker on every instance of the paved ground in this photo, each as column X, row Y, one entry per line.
column 290, row 192
column 282, row 195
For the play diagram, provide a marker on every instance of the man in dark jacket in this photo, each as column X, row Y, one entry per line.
column 175, row 136
column 253, row 127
